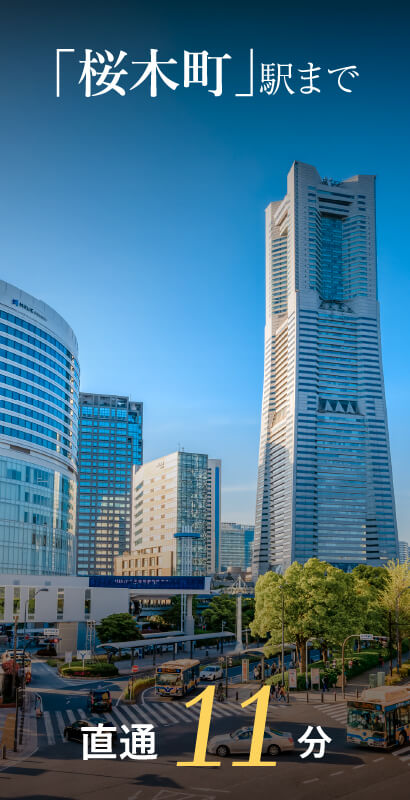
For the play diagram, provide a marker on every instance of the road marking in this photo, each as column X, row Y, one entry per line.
column 170, row 715
column 71, row 715
column 49, row 727
column 375, row 760
column 312, row 780
column 405, row 758
column 333, row 774
column 138, row 710
column 181, row 715
column 81, row 713
column 111, row 719
column 359, row 766
column 60, row 724
column 124, row 720
column 401, row 752
column 157, row 715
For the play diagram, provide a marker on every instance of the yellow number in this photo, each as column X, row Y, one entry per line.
column 259, row 724
column 206, row 698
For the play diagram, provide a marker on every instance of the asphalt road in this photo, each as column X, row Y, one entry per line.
column 57, row 770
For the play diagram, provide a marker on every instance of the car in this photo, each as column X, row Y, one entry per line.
column 99, row 700
column 211, row 673
column 274, row 742
column 74, row 732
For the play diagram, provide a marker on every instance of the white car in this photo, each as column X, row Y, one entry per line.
column 211, row 673
column 274, row 742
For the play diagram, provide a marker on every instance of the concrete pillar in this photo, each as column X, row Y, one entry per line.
column 175, row 650
column 239, row 643
column 189, row 628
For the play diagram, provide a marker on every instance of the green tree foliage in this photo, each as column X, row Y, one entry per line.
column 117, row 628
column 395, row 599
column 172, row 614
column 222, row 608
column 320, row 603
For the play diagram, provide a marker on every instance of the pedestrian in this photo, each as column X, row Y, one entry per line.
column 272, row 691
column 282, row 694
column 277, row 691
column 324, row 684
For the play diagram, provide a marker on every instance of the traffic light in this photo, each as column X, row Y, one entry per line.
column 229, row 662
column 221, row 659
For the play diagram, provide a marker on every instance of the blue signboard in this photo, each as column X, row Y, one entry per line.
column 175, row 582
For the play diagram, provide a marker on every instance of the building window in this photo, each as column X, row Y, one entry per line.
column 31, row 605
column 16, row 600
column 60, row 603
column 87, row 602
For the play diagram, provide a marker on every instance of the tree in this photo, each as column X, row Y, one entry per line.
column 369, row 585
column 117, row 628
column 222, row 608
column 172, row 614
column 319, row 603
column 395, row 599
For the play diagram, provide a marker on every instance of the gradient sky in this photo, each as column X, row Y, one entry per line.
column 142, row 220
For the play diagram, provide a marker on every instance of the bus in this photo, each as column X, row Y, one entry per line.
column 177, row 678
column 380, row 718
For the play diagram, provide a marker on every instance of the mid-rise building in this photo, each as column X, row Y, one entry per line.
column 176, row 507
column 403, row 551
column 153, row 561
column 39, row 387
column 325, row 486
column 235, row 546
column 110, row 445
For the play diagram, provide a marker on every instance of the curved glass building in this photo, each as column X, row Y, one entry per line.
column 39, row 391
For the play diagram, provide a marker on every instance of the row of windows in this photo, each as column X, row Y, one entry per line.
column 10, row 343
column 21, row 410
column 28, row 437
column 26, row 362
column 38, row 344
column 28, row 326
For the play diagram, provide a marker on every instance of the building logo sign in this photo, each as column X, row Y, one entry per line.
column 19, row 304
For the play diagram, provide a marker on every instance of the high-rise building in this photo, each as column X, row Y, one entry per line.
column 325, row 484
column 236, row 542
column 176, row 507
column 39, row 386
column 214, row 513
column 403, row 551
column 110, row 445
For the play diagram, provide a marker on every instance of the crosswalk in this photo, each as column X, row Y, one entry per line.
column 403, row 754
column 337, row 711
column 161, row 715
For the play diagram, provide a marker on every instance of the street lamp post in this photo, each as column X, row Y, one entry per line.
column 282, row 588
column 23, row 687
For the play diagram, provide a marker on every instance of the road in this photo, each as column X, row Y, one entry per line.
column 58, row 772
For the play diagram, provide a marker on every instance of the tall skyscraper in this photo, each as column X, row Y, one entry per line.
column 176, row 511
column 39, row 387
column 235, row 546
column 403, row 551
column 325, row 484
column 110, row 445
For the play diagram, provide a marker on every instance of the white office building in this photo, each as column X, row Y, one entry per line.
column 325, row 484
column 176, row 507
column 39, row 388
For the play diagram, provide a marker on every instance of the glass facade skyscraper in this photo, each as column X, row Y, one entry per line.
column 325, row 485
column 39, row 388
column 110, row 445
column 236, row 543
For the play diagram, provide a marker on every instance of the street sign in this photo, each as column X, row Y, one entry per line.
column 50, row 632
column 245, row 670
column 293, row 681
column 68, row 657
column 135, row 667
column 315, row 676
column 366, row 637
column 83, row 655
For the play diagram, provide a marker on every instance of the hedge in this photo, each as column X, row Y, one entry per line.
column 97, row 669
column 137, row 687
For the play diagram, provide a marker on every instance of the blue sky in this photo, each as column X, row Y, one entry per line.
column 141, row 220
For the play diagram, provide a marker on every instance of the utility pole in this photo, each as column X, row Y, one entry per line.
column 390, row 644
column 283, row 633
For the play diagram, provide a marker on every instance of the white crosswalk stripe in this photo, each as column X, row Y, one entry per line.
column 336, row 712
column 49, row 727
column 60, row 724
column 70, row 715
column 403, row 754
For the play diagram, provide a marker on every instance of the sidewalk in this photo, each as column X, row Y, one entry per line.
column 29, row 741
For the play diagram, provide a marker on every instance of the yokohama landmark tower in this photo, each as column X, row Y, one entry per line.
column 325, row 485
